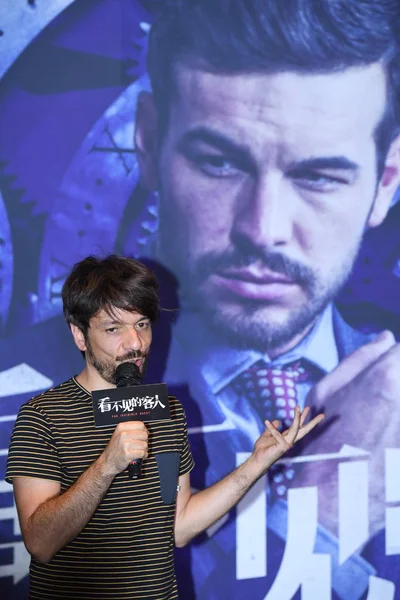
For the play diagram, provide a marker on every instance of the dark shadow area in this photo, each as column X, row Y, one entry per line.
column 369, row 301
column 157, row 365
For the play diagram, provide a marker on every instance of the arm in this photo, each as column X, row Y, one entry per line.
column 196, row 512
column 49, row 519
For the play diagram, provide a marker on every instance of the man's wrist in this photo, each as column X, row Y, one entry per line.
column 103, row 468
column 252, row 469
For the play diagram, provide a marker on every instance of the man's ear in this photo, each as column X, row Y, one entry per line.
column 388, row 184
column 79, row 338
column 145, row 140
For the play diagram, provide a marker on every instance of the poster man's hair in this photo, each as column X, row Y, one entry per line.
column 303, row 36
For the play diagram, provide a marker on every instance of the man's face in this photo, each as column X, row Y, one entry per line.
column 112, row 340
column 267, row 184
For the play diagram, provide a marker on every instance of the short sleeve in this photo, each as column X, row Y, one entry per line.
column 32, row 451
column 187, row 462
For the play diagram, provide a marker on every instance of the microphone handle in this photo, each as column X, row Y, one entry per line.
column 135, row 469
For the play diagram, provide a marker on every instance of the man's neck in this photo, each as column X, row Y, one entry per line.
column 91, row 380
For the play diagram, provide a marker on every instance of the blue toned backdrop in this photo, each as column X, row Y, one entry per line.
column 70, row 75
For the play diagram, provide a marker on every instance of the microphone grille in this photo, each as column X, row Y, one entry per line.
column 127, row 373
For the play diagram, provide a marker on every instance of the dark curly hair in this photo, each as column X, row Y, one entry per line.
column 96, row 284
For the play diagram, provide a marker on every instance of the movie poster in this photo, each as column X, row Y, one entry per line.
column 74, row 96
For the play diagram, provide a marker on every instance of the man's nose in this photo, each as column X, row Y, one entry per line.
column 264, row 214
column 132, row 340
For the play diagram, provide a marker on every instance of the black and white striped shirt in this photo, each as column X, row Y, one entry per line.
column 126, row 549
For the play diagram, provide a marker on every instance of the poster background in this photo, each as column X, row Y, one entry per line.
column 71, row 73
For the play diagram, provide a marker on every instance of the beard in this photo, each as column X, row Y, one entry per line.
column 107, row 368
column 259, row 324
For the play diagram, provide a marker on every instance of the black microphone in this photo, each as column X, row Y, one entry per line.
column 128, row 374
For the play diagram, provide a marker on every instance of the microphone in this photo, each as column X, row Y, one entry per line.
column 128, row 374
column 131, row 400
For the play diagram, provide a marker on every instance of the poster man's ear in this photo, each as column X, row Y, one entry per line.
column 145, row 140
column 388, row 185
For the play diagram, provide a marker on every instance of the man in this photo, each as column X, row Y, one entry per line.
column 91, row 531
column 272, row 137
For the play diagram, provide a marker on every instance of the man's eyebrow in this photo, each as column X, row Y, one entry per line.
column 225, row 144
column 109, row 322
column 218, row 140
column 326, row 162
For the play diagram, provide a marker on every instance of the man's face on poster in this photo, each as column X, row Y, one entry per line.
column 267, row 184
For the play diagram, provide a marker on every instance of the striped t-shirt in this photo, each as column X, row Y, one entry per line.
column 126, row 549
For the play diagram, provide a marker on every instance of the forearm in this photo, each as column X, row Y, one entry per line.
column 60, row 519
column 197, row 512
column 206, row 507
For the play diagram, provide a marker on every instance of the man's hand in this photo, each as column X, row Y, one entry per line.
column 50, row 519
column 196, row 512
column 361, row 401
column 272, row 444
column 128, row 442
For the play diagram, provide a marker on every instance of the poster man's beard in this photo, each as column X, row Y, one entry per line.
column 247, row 323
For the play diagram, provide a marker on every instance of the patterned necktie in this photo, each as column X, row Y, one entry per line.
column 272, row 393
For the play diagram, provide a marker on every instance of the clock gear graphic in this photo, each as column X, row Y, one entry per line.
column 68, row 182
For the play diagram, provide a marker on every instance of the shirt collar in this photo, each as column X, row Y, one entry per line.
column 219, row 364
